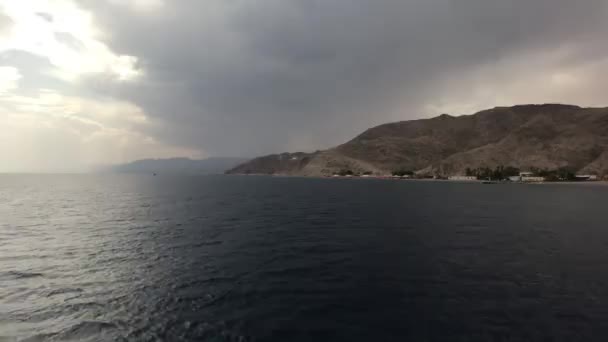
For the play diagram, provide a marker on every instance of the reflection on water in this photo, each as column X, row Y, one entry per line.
column 142, row 258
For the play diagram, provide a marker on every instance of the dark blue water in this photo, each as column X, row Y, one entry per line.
column 220, row 258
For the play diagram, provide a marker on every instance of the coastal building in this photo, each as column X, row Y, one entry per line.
column 532, row 179
column 515, row 178
column 462, row 178
column 586, row 177
column 528, row 177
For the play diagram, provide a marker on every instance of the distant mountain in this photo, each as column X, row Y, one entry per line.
column 214, row 165
column 547, row 136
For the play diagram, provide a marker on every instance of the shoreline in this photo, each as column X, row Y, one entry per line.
column 587, row 183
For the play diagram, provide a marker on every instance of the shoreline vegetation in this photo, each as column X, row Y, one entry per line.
column 500, row 174
column 603, row 181
column 399, row 176
column 486, row 174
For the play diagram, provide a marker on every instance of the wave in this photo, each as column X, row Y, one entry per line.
column 81, row 331
column 12, row 275
column 86, row 329
column 63, row 291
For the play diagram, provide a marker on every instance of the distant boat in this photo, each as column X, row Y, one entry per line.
column 154, row 174
column 489, row 181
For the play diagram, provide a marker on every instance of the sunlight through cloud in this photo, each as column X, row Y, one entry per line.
column 66, row 35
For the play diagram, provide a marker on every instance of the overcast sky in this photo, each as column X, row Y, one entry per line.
column 89, row 82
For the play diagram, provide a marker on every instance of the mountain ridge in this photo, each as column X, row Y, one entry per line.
column 178, row 165
column 546, row 136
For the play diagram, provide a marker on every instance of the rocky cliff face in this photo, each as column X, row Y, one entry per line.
column 541, row 136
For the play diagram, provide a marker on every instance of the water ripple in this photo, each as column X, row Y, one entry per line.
column 138, row 258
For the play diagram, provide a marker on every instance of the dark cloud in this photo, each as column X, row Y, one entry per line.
column 247, row 77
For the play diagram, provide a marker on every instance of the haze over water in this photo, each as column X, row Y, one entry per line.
column 219, row 258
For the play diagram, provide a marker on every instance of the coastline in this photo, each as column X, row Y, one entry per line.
column 388, row 178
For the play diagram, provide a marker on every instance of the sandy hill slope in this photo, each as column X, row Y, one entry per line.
column 542, row 136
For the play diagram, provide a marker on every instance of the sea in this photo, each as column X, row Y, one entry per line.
column 254, row 258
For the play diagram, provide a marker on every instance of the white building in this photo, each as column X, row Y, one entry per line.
column 586, row 177
column 532, row 179
column 528, row 177
column 462, row 178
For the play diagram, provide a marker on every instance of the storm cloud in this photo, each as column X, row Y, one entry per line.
column 245, row 77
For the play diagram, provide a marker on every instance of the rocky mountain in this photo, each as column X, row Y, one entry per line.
column 215, row 165
column 549, row 136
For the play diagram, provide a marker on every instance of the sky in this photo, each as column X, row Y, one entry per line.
column 85, row 83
